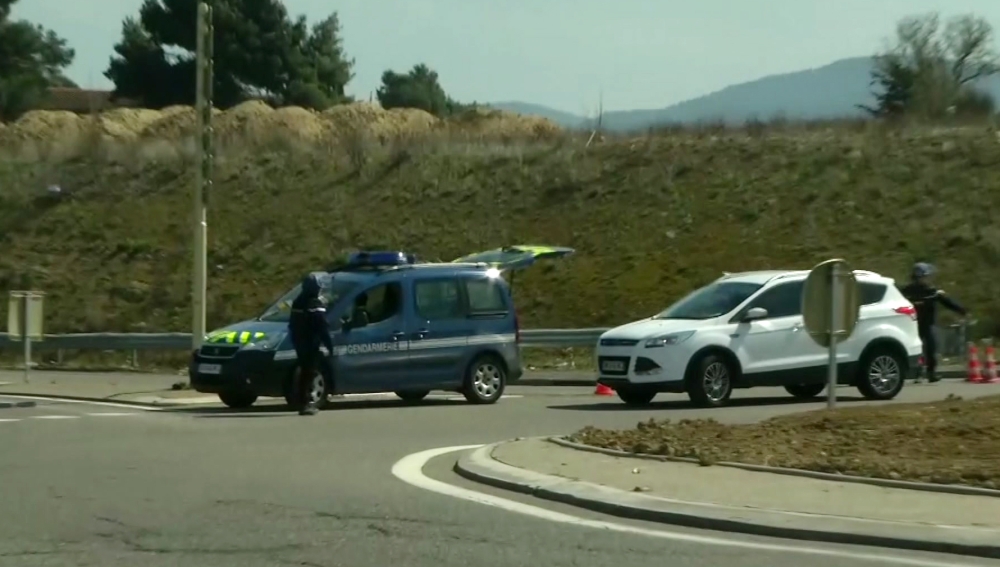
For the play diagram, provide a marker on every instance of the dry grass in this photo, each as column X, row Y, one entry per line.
column 954, row 441
column 651, row 215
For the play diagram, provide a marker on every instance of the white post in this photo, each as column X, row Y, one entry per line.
column 203, row 172
column 831, row 382
column 25, row 302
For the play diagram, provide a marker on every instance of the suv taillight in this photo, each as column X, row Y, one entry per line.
column 908, row 310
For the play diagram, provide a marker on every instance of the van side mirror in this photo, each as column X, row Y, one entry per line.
column 345, row 323
column 754, row 314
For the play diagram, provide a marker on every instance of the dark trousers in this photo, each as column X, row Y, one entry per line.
column 309, row 365
column 930, row 349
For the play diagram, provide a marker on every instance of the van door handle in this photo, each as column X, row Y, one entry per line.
column 422, row 333
column 796, row 328
column 396, row 335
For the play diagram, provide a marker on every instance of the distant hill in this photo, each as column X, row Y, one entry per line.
column 564, row 119
column 831, row 91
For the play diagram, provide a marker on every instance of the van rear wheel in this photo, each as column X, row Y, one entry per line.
column 485, row 380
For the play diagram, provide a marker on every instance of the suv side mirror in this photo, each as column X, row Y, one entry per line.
column 754, row 314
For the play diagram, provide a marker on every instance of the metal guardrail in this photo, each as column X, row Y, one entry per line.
column 952, row 340
column 534, row 338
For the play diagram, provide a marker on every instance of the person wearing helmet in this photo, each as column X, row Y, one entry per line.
column 309, row 330
column 925, row 298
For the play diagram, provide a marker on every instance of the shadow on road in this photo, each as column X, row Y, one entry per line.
column 615, row 405
column 278, row 410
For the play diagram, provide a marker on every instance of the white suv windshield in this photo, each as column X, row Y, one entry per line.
column 710, row 301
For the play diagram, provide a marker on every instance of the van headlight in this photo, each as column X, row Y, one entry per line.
column 268, row 342
column 668, row 340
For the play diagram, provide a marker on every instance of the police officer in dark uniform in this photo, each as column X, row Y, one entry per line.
column 925, row 298
column 308, row 329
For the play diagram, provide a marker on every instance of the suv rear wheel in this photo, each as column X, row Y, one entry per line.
column 711, row 381
column 881, row 373
column 485, row 380
column 805, row 391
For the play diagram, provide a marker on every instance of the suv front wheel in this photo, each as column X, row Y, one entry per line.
column 881, row 373
column 711, row 381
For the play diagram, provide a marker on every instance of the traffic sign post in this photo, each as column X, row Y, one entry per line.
column 830, row 313
column 24, row 322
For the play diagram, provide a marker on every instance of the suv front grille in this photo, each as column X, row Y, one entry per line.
column 218, row 351
column 619, row 342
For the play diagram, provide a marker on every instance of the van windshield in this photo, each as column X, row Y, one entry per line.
column 332, row 290
column 711, row 301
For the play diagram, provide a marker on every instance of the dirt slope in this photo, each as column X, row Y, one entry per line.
column 650, row 217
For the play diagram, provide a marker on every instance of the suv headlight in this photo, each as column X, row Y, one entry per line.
column 668, row 340
column 270, row 341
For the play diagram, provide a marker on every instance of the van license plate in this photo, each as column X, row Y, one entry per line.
column 209, row 368
column 613, row 366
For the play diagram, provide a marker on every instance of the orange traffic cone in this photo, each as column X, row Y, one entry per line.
column 975, row 375
column 991, row 366
column 603, row 390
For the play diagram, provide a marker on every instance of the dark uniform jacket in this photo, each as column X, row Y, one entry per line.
column 925, row 299
column 307, row 325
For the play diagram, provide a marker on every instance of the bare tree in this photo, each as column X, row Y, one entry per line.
column 932, row 71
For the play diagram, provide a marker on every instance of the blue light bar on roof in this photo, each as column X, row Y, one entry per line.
column 380, row 258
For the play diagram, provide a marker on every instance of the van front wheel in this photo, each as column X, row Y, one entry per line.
column 485, row 381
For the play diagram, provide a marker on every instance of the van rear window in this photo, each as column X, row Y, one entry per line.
column 485, row 296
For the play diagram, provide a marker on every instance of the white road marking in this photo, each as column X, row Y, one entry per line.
column 88, row 402
column 409, row 469
column 55, row 417
column 111, row 414
column 8, row 420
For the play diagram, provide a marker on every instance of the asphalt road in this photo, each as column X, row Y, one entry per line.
column 84, row 484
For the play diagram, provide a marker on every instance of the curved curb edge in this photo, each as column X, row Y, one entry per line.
column 882, row 482
column 12, row 405
column 56, row 398
column 480, row 466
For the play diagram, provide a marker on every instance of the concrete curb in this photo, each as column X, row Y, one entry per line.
column 883, row 482
column 56, row 398
column 480, row 466
column 11, row 405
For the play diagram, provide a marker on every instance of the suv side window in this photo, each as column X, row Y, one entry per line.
column 438, row 299
column 485, row 295
column 871, row 293
column 382, row 302
column 783, row 300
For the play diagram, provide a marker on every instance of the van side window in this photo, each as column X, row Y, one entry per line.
column 783, row 300
column 382, row 302
column 440, row 299
column 485, row 296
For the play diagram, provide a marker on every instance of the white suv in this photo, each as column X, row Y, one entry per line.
column 745, row 330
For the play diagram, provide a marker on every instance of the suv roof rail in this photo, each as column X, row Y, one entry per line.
column 867, row 273
column 785, row 274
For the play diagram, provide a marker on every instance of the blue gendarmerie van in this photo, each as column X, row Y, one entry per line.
column 431, row 326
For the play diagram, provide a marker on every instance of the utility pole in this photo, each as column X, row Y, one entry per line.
column 203, row 176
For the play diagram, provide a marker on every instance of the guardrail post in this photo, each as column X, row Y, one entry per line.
column 135, row 358
column 59, row 356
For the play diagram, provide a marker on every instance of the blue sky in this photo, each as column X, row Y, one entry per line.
column 560, row 53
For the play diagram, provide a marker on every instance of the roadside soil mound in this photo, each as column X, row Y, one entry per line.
column 954, row 441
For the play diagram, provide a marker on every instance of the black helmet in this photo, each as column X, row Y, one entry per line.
column 921, row 270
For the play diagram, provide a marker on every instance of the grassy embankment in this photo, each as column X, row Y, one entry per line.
column 651, row 216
